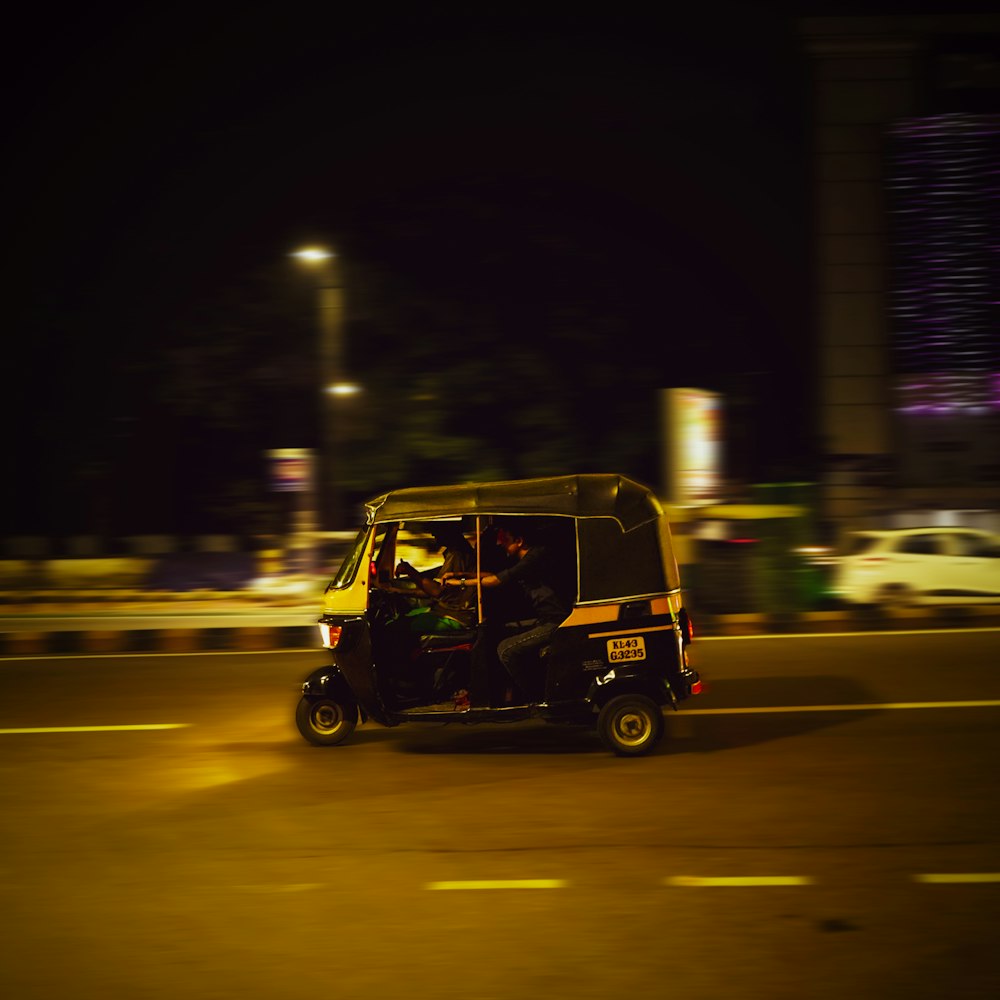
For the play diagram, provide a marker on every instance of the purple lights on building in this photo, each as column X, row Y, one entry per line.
column 945, row 203
column 951, row 394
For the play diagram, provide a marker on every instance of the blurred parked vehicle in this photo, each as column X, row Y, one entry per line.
column 920, row 566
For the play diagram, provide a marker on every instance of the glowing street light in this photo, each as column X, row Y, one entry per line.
column 312, row 255
column 343, row 389
column 332, row 384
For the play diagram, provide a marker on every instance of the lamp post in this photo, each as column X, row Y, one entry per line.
column 333, row 386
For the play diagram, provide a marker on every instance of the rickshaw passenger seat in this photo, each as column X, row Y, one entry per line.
column 448, row 640
column 521, row 626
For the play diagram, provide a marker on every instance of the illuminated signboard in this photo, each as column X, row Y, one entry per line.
column 692, row 446
column 291, row 470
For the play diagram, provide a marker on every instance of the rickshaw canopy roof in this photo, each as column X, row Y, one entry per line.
column 585, row 495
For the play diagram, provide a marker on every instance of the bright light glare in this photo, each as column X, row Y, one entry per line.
column 343, row 389
column 279, row 585
column 312, row 254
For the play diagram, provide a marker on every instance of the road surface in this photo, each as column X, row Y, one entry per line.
column 823, row 822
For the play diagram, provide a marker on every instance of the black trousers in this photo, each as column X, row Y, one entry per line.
column 519, row 655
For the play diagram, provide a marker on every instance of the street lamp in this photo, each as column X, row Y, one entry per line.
column 313, row 254
column 334, row 388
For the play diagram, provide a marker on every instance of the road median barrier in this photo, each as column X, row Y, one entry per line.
column 97, row 642
column 160, row 636
column 25, row 643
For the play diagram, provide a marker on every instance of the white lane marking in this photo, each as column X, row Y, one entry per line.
column 510, row 883
column 874, row 707
column 843, row 635
column 944, row 878
column 696, row 881
column 98, row 729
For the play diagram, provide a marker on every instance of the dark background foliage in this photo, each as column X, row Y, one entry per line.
column 543, row 219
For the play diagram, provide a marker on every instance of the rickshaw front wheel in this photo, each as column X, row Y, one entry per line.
column 326, row 721
column 630, row 725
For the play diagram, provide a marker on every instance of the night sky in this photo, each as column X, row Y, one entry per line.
column 155, row 160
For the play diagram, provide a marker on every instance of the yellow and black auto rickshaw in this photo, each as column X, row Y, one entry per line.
column 617, row 660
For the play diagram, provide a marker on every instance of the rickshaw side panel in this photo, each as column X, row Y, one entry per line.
column 639, row 640
column 616, row 564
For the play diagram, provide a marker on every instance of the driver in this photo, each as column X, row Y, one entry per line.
column 452, row 609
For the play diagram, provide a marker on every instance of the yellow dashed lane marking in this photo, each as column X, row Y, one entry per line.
column 697, row 881
column 99, row 729
column 509, row 883
column 872, row 707
column 942, row 878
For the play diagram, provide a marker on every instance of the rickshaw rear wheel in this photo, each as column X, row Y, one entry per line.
column 630, row 725
column 326, row 721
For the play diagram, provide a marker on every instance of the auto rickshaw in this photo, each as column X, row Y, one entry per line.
column 614, row 664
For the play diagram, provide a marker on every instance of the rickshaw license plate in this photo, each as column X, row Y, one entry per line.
column 631, row 648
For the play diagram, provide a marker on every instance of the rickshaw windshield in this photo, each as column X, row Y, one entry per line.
column 349, row 567
column 411, row 544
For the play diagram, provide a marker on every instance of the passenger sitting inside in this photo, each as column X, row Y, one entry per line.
column 532, row 571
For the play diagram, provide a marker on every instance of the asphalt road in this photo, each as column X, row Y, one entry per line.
column 823, row 822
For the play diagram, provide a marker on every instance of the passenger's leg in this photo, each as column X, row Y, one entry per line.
column 482, row 666
column 519, row 654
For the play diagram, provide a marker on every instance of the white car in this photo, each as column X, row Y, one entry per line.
column 920, row 566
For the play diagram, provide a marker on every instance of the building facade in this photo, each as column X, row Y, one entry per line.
column 906, row 154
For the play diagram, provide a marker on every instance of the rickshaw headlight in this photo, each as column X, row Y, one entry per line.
column 330, row 634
